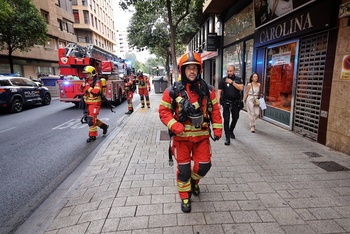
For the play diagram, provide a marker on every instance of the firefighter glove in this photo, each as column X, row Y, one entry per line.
column 177, row 128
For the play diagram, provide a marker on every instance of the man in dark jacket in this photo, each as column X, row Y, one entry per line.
column 229, row 92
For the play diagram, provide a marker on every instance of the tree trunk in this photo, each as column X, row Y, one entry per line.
column 172, row 40
column 10, row 59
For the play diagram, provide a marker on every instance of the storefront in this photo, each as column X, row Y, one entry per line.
column 238, row 42
column 294, row 57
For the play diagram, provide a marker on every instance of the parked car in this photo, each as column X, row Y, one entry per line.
column 17, row 92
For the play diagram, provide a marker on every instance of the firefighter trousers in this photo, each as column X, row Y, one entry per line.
column 193, row 163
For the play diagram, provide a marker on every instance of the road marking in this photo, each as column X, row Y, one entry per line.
column 7, row 129
column 74, row 124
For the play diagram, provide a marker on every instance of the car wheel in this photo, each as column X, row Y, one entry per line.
column 17, row 105
column 47, row 99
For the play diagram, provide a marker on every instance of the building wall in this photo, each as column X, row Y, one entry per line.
column 338, row 132
column 100, row 26
column 40, row 56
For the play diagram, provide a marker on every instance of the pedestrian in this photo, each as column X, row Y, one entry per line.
column 92, row 96
column 144, row 87
column 229, row 92
column 188, row 108
column 129, row 88
column 252, row 92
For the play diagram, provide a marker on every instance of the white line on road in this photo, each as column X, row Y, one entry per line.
column 7, row 130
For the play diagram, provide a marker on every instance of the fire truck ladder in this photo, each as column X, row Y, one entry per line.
column 72, row 49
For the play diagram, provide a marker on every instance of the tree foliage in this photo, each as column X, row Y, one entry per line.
column 162, row 25
column 21, row 27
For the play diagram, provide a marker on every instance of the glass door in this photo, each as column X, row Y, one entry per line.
column 280, row 72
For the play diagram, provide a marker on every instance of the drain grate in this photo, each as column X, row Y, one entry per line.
column 331, row 166
column 164, row 136
column 313, row 154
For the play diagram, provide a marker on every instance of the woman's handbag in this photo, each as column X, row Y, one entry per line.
column 256, row 100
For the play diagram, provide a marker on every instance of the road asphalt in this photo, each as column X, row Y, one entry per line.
column 270, row 181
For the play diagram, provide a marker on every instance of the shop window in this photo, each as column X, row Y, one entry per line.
column 280, row 64
column 233, row 55
column 239, row 26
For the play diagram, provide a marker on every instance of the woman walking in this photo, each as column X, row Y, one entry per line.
column 252, row 92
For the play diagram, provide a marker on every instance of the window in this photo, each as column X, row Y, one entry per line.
column 45, row 15
column 76, row 16
column 17, row 82
column 74, row 2
column 86, row 17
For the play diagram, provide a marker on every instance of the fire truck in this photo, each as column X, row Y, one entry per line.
column 72, row 60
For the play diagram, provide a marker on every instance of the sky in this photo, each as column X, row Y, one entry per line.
column 121, row 17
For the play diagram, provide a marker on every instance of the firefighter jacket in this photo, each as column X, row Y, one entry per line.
column 128, row 84
column 143, row 81
column 92, row 92
column 186, row 131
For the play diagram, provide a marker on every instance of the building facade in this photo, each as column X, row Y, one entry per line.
column 69, row 21
column 300, row 51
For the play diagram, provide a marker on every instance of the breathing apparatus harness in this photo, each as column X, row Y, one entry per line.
column 82, row 104
column 188, row 110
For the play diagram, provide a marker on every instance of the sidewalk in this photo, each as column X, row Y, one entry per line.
column 264, row 182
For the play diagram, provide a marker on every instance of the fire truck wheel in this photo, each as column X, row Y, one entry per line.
column 118, row 99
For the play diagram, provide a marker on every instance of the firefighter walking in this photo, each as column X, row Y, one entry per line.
column 188, row 108
column 129, row 88
column 144, row 87
column 92, row 95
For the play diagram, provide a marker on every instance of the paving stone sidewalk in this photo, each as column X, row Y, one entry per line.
column 264, row 182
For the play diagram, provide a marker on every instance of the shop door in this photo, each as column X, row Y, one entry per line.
column 280, row 70
column 310, row 78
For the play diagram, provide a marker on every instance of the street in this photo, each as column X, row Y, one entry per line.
column 40, row 147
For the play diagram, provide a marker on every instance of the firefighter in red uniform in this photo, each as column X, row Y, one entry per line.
column 91, row 89
column 129, row 87
column 144, row 88
column 188, row 108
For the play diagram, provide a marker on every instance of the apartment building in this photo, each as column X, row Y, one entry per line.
column 78, row 21
column 94, row 23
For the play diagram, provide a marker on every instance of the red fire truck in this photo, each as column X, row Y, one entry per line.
column 73, row 58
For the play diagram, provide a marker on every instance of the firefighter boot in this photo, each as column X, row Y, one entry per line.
column 186, row 205
column 91, row 139
column 105, row 129
column 129, row 112
column 195, row 188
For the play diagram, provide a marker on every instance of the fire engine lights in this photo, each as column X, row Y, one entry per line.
column 66, row 83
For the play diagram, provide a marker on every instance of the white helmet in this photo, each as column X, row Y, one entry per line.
column 139, row 71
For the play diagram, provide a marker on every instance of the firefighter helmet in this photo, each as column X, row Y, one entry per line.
column 190, row 58
column 90, row 71
column 139, row 72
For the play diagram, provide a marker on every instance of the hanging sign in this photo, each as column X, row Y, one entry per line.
column 212, row 42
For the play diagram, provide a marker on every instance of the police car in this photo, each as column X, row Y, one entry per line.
column 17, row 92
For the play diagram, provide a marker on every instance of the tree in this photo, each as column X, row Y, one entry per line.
column 21, row 27
column 154, row 22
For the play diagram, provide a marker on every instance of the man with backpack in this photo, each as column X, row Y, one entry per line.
column 91, row 89
column 188, row 108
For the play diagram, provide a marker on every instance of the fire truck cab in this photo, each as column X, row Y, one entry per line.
column 72, row 60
